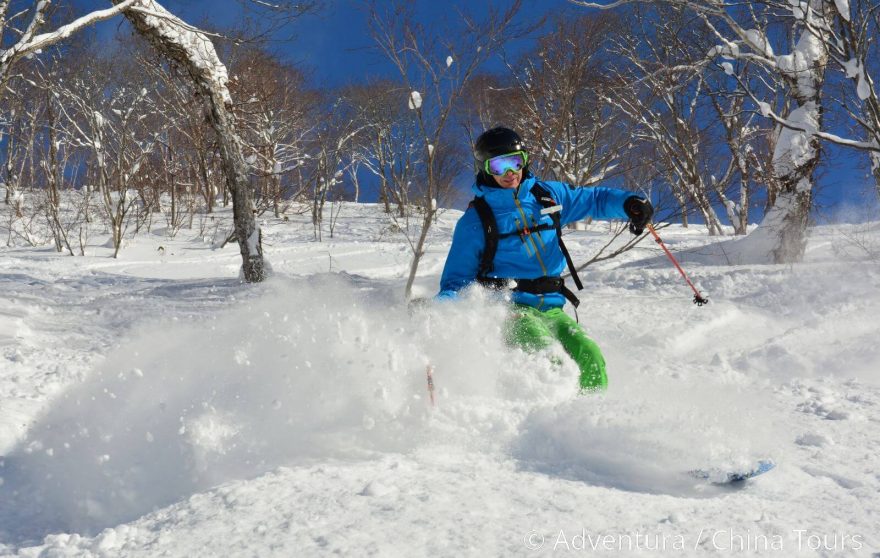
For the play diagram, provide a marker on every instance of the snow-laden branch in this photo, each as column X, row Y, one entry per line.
column 189, row 43
column 833, row 138
column 4, row 7
column 699, row 7
column 37, row 20
column 601, row 5
column 32, row 43
column 176, row 21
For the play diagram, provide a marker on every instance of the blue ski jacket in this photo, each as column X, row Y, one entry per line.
column 523, row 256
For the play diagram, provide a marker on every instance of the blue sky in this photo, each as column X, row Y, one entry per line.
column 334, row 44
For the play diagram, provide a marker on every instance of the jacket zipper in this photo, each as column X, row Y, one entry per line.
column 535, row 225
column 525, row 223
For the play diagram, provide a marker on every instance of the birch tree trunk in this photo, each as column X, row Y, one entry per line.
column 193, row 51
column 783, row 231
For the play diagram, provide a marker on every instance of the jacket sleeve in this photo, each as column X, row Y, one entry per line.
column 597, row 202
column 463, row 261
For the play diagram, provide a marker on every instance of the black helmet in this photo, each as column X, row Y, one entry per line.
column 496, row 141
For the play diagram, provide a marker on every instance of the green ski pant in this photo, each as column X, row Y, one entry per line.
column 533, row 329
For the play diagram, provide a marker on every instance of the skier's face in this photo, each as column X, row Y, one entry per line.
column 509, row 179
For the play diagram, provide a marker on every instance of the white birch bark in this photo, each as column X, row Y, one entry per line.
column 782, row 234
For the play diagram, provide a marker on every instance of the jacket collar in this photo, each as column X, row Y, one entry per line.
column 498, row 193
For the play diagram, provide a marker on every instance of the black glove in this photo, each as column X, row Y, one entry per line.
column 639, row 210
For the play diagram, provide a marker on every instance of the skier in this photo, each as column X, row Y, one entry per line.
column 510, row 238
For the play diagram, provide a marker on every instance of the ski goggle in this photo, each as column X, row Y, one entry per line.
column 499, row 165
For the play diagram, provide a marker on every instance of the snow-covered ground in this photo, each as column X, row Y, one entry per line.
column 151, row 405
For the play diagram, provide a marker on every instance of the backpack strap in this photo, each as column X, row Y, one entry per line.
column 553, row 209
column 490, row 231
column 491, row 234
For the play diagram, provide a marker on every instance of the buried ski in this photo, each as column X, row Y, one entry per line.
column 729, row 476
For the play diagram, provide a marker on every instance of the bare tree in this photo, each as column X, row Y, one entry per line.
column 19, row 132
column 435, row 67
column 112, row 128
column 389, row 146
column 746, row 141
column 329, row 163
column 740, row 32
column 24, row 108
column 195, row 151
column 55, row 162
column 855, row 52
column 663, row 92
column 186, row 46
column 26, row 25
column 276, row 114
column 194, row 51
column 563, row 87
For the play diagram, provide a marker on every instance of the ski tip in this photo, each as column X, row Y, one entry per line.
column 760, row 468
column 727, row 476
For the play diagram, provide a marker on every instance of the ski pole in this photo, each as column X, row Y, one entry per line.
column 699, row 300
column 430, row 371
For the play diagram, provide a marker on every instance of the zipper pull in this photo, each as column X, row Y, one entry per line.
column 524, row 231
column 522, row 235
